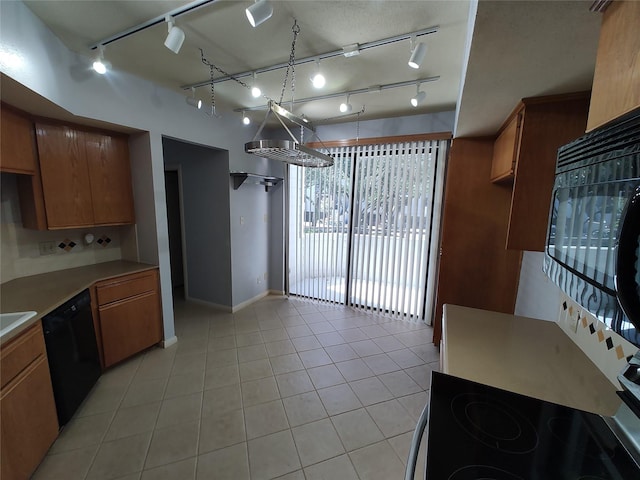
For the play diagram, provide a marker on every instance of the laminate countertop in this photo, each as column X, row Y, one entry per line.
column 44, row 292
column 524, row 355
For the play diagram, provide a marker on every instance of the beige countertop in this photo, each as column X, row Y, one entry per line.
column 43, row 293
column 524, row 355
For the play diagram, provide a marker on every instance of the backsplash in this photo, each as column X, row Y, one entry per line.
column 606, row 349
column 30, row 252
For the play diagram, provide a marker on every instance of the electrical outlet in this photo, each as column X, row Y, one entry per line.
column 47, row 248
column 258, row 280
column 265, row 275
column 241, row 220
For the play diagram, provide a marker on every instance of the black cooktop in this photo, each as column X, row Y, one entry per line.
column 481, row 432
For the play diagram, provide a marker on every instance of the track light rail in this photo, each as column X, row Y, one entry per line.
column 189, row 7
column 376, row 88
column 315, row 58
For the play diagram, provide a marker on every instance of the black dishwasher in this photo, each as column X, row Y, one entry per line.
column 73, row 353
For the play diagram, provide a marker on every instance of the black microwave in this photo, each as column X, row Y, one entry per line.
column 593, row 238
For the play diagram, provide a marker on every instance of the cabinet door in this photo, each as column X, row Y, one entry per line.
column 616, row 81
column 110, row 177
column 129, row 326
column 505, row 151
column 17, row 144
column 65, row 176
column 29, row 421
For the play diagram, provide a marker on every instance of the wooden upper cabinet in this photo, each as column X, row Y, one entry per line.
column 616, row 81
column 505, row 149
column 110, row 178
column 82, row 179
column 65, row 176
column 531, row 137
column 17, row 143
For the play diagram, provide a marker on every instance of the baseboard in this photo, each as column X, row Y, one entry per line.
column 246, row 303
column 217, row 306
column 279, row 293
column 168, row 342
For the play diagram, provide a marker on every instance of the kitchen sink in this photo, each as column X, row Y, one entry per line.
column 9, row 321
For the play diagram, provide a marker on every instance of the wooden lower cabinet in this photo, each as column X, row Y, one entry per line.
column 129, row 315
column 27, row 406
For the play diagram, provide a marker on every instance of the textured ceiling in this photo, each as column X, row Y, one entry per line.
column 518, row 49
column 223, row 33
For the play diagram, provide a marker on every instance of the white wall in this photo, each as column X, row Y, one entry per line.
column 44, row 65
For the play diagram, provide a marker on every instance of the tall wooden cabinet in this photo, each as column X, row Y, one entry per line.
column 475, row 270
column 524, row 155
column 29, row 420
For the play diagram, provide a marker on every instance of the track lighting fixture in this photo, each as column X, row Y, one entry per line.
column 419, row 98
column 417, row 54
column 259, row 12
column 245, row 120
column 193, row 101
column 346, row 106
column 100, row 65
column 318, row 79
column 255, row 90
column 175, row 38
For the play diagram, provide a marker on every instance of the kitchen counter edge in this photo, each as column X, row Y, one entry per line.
column 45, row 292
column 525, row 355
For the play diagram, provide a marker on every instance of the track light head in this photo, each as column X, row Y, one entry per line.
column 259, row 12
column 245, row 120
column 255, row 90
column 346, row 106
column 175, row 38
column 418, row 99
column 100, row 65
column 417, row 55
column 318, row 79
column 193, row 101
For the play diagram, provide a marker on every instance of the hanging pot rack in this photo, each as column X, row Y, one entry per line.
column 288, row 151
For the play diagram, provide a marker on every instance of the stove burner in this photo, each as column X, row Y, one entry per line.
column 575, row 434
column 482, row 472
column 494, row 423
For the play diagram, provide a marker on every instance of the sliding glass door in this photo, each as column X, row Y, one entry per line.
column 364, row 232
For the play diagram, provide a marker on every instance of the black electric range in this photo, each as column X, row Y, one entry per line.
column 480, row 432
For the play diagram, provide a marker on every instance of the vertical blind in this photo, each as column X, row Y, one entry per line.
column 365, row 231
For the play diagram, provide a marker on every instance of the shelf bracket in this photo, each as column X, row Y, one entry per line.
column 240, row 177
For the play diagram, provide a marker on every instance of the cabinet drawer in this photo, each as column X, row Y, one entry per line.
column 125, row 287
column 19, row 353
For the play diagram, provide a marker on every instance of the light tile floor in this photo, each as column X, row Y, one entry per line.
column 285, row 388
